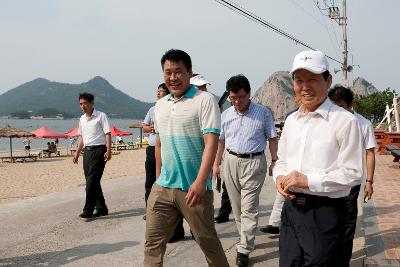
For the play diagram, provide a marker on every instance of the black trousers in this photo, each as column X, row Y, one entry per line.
column 312, row 231
column 226, row 207
column 350, row 223
column 150, row 166
column 93, row 167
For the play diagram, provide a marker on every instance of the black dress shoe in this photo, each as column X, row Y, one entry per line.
column 98, row 213
column 242, row 260
column 270, row 229
column 221, row 219
column 86, row 215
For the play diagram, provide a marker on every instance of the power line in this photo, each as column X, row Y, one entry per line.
column 253, row 17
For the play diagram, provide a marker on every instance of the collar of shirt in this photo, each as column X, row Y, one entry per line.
column 189, row 94
column 94, row 114
column 322, row 110
column 249, row 109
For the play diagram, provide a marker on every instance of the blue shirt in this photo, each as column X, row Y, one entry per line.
column 149, row 120
column 181, row 125
column 247, row 133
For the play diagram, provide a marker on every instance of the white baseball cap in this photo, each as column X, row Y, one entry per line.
column 199, row 80
column 313, row 61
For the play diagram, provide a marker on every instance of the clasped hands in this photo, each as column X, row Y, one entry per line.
column 293, row 179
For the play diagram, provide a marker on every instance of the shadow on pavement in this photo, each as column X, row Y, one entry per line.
column 124, row 214
column 58, row 258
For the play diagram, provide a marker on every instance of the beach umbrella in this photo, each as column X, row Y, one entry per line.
column 115, row 131
column 45, row 132
column 72, row 133
column 9, row 131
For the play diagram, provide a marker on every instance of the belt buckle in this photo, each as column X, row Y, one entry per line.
column 300, row 200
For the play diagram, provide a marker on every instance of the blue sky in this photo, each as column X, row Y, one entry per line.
column 123, row 40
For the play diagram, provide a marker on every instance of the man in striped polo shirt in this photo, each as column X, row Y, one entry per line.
column 245, row 129
column 187, row 124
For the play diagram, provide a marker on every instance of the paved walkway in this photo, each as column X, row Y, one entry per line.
column 46, row 231
column 382, row 215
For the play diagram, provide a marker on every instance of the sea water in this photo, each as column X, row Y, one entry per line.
column 60, row 126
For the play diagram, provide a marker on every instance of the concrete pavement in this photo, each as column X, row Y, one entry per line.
column 46, row 231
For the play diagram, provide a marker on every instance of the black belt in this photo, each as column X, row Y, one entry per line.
column 245, row 155
column 313, row 200
column 89, row 148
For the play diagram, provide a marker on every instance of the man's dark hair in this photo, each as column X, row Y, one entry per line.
column 86, row 96
column 338, row 93
column 237, row 82
column 164, row 86
column 325, row 75
column 176, row 55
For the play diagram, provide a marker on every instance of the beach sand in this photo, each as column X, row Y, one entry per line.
column 55, row 174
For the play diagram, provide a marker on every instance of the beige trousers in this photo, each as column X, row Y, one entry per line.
column 164, row 207
column 244, row 178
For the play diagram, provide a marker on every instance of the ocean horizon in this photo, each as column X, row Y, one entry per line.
column 60, row 126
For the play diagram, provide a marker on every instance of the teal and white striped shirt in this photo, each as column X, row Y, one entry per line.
column 181, row 125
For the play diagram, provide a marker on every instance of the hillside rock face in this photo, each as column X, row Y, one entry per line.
column 277, row 94
column 362, row 87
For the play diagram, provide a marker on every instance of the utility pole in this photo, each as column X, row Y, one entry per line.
column 341, row 19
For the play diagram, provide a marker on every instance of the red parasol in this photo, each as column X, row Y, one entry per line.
column 73, row 132
column 115, row 131
column 45, row 132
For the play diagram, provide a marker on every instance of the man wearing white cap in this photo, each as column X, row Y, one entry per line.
column 199, row 81
column 319, row 160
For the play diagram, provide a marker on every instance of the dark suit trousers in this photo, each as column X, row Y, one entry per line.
column 226, row 207
column 150, row 166
column 93, row 167
column 312, row 232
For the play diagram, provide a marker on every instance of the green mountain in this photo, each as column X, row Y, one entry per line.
column 42, row 95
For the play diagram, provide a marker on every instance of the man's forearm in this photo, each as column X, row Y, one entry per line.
column 108, row 142
column 157, row 154
column 273, row 148
column 220, row 152
column 80, row 145
column 370, row 164
column 210, row 151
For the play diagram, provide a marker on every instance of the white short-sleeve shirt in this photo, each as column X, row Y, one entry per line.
column 94, row 128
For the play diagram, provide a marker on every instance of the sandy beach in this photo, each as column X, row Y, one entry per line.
column 55, row 174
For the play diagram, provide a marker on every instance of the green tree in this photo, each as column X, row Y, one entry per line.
column 373, row 106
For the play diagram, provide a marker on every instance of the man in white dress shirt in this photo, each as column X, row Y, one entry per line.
column 95, row 138
column 343, row 97
column 319, row 160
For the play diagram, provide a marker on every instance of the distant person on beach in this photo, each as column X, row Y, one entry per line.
column 343, row 97
column 148, row 127
column 187, row 124
column 95, row 139
column 319, row 160
column 27, row 145
column 119, row 139
column 246, row 127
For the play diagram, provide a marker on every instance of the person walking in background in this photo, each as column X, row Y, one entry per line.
column 343, row 97
column 245, row 129
column 187, row 124
column 148, row 127
column 319, row 160
column 200, row 82
column 27, row 145
column 95, row 139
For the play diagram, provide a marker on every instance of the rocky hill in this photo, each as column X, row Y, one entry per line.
column 42, row 94
column 277, row 93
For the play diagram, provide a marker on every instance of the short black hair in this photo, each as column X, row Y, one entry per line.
column 163, row 86
column 237, row 82
column 87, row 96
column 325, row 75
column 177, row 55
column 339, row 92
